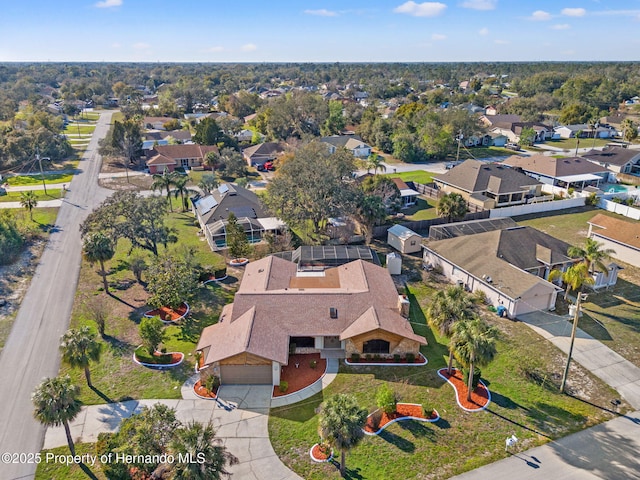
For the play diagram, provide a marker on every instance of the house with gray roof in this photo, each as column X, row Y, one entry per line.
column 212, row 212
column 511, row 266
column 616, row 159
column 261, row 153
column 279, row 310
column 352, row 143
column 488, row 185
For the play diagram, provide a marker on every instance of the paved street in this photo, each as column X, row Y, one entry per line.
column 31, row 352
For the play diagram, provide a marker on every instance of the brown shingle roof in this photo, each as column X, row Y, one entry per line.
column 185, row 151
column 617, row 230
column 554, row 167
column 613, row 155
column 280, row 309
column 476, row 176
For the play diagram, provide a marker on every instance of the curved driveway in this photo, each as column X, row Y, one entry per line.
column 31, row 351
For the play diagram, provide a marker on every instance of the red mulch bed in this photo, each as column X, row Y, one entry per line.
column 303, row 376
column 163, row 358
column 169, row 314
column 203, row 392
column 479, row 397
column 403, row 410
column 320, row 453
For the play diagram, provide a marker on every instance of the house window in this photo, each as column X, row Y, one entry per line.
column 503, row 198
column 184, row 162
column 302, row 342
column 375, row 346
column 333, row 312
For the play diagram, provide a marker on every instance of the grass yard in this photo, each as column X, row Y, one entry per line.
column 58, row 470
column 52, row 194
column 23, row 180
column 485, row 152
column 523, row 381
column 116, row 377
column 570, row 143
column 424, row 209
column 418, row 176
column 75, row 129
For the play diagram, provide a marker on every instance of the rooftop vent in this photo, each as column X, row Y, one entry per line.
column 333, row 312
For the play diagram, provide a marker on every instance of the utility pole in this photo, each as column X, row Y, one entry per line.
column 459, row 138
column 595, row 132
column 576, row 315
column 44, row 184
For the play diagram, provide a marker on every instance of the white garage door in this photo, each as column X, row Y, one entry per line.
column 532, row 304
column 245, row 374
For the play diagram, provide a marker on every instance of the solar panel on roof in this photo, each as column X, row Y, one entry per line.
column 204, row 205
column 224, row 188
column 243, row 211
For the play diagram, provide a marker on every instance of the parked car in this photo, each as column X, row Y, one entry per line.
column 513, row 146
column 3, row 191
column 266, row 167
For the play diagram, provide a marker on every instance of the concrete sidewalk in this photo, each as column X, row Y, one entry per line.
column 41, row 204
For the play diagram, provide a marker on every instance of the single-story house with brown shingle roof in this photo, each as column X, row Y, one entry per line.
column 511, row 266
column 352, row 143
column 616, row 159
column 488, row 185
column 170, row 157
column 263, row 152
column 352, row 308
column 619, row 235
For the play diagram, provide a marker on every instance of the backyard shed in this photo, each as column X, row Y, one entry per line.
column 404, row 239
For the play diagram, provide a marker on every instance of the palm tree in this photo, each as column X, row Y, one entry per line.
column 374, row 161
column 29, row 200
column 56, row 403
column 341, row 423
column 575, row 277
column 208, row 183
column 198, row 443
column 474, row 342
column 446, row 309
column 212, row 160
column 180, row 182
column 578, row 135
column 592, row 254
column 164, row 181
column 370, row 212
column 79, row 348
column 99, row 248
column 452, row 206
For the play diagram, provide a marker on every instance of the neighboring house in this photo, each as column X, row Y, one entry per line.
column 511, row 126
column 244, row 135
column 497, row 139
column 565, row 173
column 161, row 137
column 261, row 153
column 488, row 185
column 510, row 266
column 213, row 210
column 156, row 123
column 170, row 157
column 352, row 143
column 491, row 110
column 586, row 131
column 619, row 235
column 616, row 159
column 404, row 239
column 277, row 310
column 320, row 257
column 408, row 196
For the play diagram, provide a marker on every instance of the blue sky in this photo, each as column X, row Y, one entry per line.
column 319, row 30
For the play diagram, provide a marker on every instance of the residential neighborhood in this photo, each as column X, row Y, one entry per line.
column 257, row 258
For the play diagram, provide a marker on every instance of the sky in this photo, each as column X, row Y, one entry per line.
column 319, row 30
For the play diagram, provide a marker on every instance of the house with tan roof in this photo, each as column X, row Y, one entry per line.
column 620, row 235
column 170, row 157
column 488, row 185
column 278, row 310
column 352, row 143
column 564, row 173
column 408, row 196
column 511, row 266
column 259, row 154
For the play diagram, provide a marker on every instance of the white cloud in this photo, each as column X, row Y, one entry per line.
column 108, row 3
column 323, row 12
column 569, row 52
column 249, row 47
column 426, row 9
column 540, row 15
column 501, row 42
column 438, row 36
column 480, row 4
column 561, row 26
column 484, row 31
column 141, row 46
column 574, row 12
column 215, row 49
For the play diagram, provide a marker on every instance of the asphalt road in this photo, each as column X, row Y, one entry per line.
column 31, row 351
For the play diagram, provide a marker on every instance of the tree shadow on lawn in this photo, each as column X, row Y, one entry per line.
column 301, row 411
column 87, row 471
column 396, row 440
column 115, row 297
column 502, row 401
column 417, row 429
column 349, row 473
column 101, row 395
column 118, row 347
column 544, row 414
column 596, row 329
column 525, row 427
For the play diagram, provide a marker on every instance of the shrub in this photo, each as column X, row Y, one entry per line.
column 375, row 419
column 411, row 357
column 479, row 296
column 386, row 399
column 313, row 364
column 220, row 273
column 426, row 410
column 591, row 200
column 477, row 373
column 396, row 357
column 570, row 191
column 284, row 386
column 355, row 357
column 369, row 357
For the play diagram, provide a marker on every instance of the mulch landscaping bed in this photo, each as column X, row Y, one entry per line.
column 169, row 314
column 320, row 453
column 403, row 410
column 418, row 359
column 160, row 358
column 480, row 397
column 303, row 376
column 203, row 392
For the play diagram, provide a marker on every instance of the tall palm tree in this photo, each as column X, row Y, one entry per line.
column 593, row 254
column 209, row 456
column 56, row 403
column 341, row 423
column 29, row 200
column 208, row 183
column 79, row 348
column 374, row 162
column 446, row 309
column 212, row 160
column 164, row 181
column 180, row 184
column 475, row 345
column 99, row 248
column 452, row 206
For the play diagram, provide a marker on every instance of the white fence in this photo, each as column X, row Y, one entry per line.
column 537, row 207
column 619, row 208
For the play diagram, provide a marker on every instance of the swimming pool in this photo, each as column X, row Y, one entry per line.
column 615, row 188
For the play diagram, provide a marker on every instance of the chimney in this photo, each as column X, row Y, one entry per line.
column 403, row 305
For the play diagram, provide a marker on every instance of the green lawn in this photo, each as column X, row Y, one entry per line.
column 19, row 180
column 52, row 194
column 570, row 143
column 424, row 209
column 525, row 401
column 74, row 129
column 418, row 176
column 52, row 470
column 484, row 152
